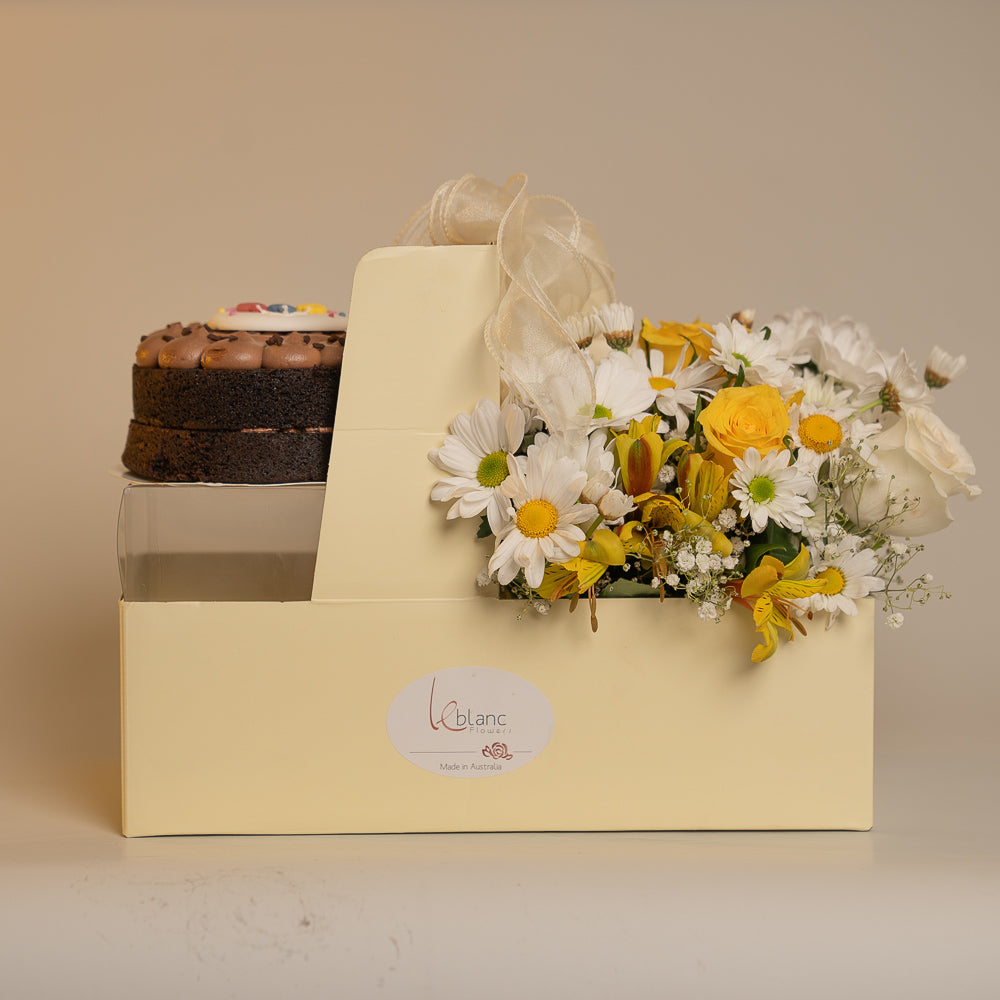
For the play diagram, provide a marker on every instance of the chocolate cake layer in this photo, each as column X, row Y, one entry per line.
column 170, row 455
column 219, row 399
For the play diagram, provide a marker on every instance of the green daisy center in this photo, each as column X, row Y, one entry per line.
column 602, row 413
column 761, row 489
column 493, row 469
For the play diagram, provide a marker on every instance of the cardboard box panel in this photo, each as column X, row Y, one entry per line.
column 262, row 712
column 415, row 358
column 271, row 718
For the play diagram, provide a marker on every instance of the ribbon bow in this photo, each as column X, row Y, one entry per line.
column 555, row 271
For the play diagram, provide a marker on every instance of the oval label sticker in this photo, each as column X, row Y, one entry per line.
column 470, row 722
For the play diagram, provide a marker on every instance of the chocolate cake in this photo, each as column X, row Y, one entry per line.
column 249, row 397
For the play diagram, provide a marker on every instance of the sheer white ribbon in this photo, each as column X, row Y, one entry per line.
column 554, row 267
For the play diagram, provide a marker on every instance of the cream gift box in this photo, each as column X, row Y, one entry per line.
column 397, row 696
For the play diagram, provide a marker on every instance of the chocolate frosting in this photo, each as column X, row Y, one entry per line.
column 147, row 356
column 186, row 350
column 194, row 346
column 238, row 351
column 330, row 353
column 290, row 350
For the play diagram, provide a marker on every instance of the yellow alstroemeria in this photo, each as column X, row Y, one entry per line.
column 641, row 454
column 704, row 485
column 635, row 538
column 604, row 547
column 772, row 586
column 659, row 511
column 578, row 575
column 575, row 576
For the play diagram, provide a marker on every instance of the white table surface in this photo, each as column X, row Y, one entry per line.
column 911, row 909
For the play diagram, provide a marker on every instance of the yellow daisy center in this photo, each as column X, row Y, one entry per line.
column 492, row 469
column 833, row 580
column 820, row 433
column 601, row 412
column 537, row 518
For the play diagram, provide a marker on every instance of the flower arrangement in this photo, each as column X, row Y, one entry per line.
column 782, row 470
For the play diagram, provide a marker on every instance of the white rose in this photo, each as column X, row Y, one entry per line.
column 920, row 458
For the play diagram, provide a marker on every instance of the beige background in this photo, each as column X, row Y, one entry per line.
column 160, row 160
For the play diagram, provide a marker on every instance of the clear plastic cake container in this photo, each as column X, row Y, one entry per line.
column 199, row 542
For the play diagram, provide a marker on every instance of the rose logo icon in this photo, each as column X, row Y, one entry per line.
column 498, row 751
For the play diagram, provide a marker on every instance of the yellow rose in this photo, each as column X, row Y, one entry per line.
column 749, row 416
column 675, row 339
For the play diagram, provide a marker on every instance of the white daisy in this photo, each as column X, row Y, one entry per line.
column 821, row 391
column 894, row 381
column 942, row 367
column 788, row 334
column 850, row 574
column 509, row 393
column 581, row 328
column 545, row 526
column 769, row 490
column 826, row 423
column 615, row 321
column 843, row 349
column 735, row 348
column 818, row 529
column 590, row 455
column 818, row 433
column 476, row 453
column 621, row 390
column 677, row 392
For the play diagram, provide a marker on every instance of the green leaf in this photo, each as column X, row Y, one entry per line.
column 484, row 528
column 696, row 424
column 773, row 541
column 629, row 588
